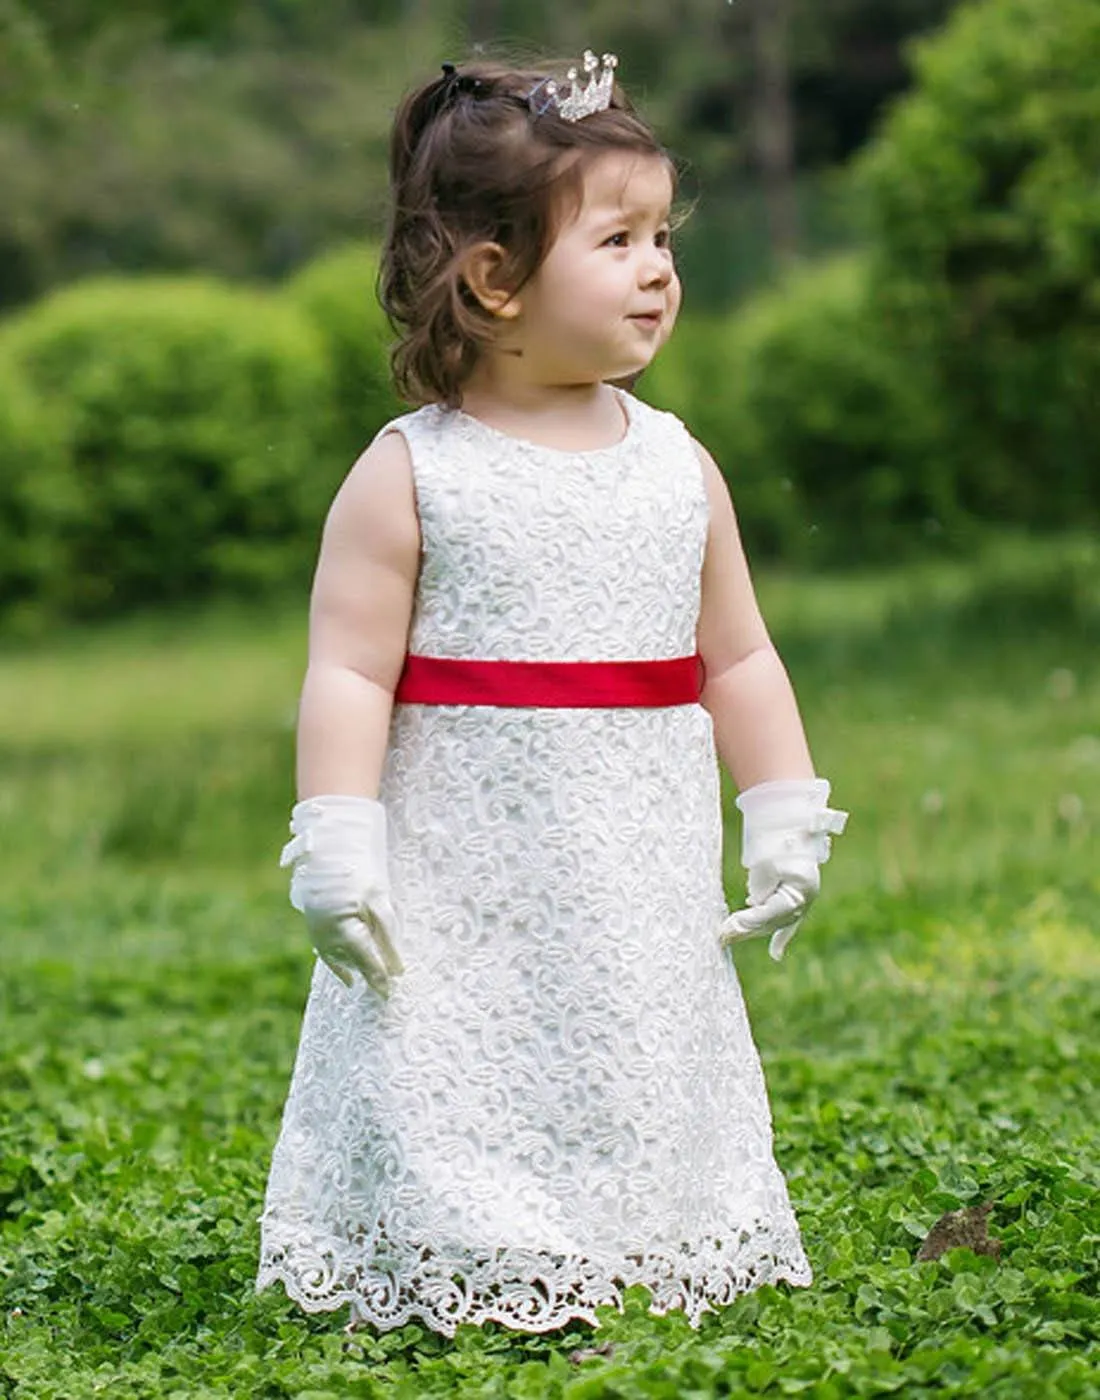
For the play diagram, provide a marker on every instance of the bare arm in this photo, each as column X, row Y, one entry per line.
column 757, row 727
column 360, row 611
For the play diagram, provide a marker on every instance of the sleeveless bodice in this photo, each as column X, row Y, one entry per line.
column 577, row 556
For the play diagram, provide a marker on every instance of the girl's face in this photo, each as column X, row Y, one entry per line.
column 604, row 299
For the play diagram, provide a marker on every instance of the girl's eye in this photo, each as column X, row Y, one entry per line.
column 664, row 238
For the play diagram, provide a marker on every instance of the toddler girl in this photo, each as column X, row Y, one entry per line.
column 525, row 1078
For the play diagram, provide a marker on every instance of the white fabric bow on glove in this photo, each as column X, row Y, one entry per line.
column 787, row 826
column 340, row 882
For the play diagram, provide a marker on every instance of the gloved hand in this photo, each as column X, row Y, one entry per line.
column 340, row 882
column 787, row 825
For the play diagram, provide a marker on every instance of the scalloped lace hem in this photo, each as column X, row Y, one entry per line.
column 556, row 1291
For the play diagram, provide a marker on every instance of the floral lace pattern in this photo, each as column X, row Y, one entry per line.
column 562, row 1096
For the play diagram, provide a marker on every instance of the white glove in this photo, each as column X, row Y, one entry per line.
column 787, row 825
column 340, row 882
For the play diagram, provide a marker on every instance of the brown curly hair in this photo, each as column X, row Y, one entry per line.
column 470, row 162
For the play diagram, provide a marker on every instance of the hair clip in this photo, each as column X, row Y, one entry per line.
column 454, row 81
column 595, row 96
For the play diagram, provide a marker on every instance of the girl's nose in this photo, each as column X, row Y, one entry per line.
column 657, row 270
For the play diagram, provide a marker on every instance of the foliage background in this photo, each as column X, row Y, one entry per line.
column 246, row 137
column 890, row 331
column 189, row 360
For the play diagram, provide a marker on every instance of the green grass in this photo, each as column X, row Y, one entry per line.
column 929, row 1042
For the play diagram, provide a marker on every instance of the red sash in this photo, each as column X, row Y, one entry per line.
column 441, row 680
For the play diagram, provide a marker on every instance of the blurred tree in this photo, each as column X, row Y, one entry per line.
column 72, row 24
column 26, row 61
column 243, row 136
column 984, row 219
column 482, row 20
column 773, row 120
column 138, row 155
column 848, row 61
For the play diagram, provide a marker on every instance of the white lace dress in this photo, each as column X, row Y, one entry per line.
column 561, row 1096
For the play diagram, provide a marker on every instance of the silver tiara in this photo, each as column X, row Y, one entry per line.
column 580, row 102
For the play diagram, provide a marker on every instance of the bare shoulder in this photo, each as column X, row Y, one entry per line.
column 376, row 503
column 718, row 492
column 384, row 468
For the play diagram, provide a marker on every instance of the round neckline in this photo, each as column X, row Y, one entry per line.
column 625, row 404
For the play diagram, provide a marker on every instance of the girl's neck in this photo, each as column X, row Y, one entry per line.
column 575, row 418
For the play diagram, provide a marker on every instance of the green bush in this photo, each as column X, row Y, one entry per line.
column 337, row 293
column 191, row 412
column 950, row 375
column 828, row 446
column 984, row 212
column 693, row 378
column 821, row 405
column 38, row 501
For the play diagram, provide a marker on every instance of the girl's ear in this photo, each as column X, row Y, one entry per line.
column 481, row 273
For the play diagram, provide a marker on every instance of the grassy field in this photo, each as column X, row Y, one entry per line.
column 930, row 1042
